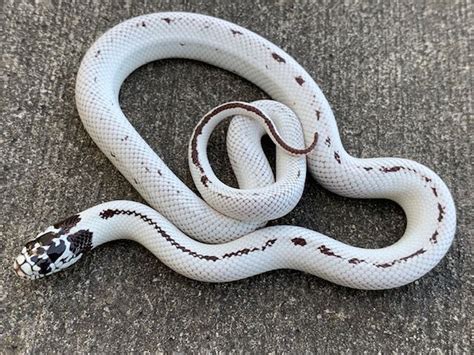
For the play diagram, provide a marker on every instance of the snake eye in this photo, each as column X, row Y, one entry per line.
column 29, row 246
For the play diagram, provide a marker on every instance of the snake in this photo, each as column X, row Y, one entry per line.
column 222, row 236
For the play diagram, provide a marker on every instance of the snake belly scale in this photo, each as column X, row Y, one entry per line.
column 225, row 238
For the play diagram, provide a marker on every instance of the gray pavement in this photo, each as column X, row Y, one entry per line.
column 398, row 78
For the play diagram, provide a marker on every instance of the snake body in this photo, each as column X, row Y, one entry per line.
column 223, row 239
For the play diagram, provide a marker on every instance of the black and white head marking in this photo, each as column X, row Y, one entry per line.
column 54, row 249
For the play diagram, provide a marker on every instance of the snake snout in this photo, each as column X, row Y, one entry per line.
column 23, row 266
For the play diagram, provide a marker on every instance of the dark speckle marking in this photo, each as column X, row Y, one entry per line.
column 416, row 253
column 269, row 243
column 136, row 182
column 299, row 80
column 367, row 168
column 337, row 157
column 386, row 265
column 391, row 263
column 299, row 241
column 318, row 115
column 223, row 196
column 278, row 58
column 434, row 237
column 143, row 24
column 441, row 212
column 247, row 251
column 356, row 261
column 205, row 180
column 328, row 141
column 97, row 53
column 167, row 20
column 112, row 155
column 159, row 172
column 393, row 169
column 298, row 174
column 181, row 44
column 106, row 214
column 239, row 252
column 427, row 179
column 326, row 251
column 235, row 32
column 435, row 192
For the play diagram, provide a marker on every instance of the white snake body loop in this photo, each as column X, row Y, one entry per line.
column 237, row 213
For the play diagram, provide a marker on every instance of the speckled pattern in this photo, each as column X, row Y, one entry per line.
column 396, row 76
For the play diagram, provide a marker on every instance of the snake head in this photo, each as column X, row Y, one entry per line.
column 58, row 247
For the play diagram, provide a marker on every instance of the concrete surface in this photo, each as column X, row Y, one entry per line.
column 397, row 75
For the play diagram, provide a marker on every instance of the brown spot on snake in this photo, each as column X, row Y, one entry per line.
column 235, row 32
column 299, row 80
column 337, row 157
column 416, row 253
column 299, row 241
column 269, row 243
column 441, row 212
column 326, row 251
column 239, row 252
column 205, row 180
column 434, row 237
column 391, row 263
column 278, row 58
column 392, row 169
column 356, row 261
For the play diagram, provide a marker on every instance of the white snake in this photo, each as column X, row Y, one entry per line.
column 236, row 214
